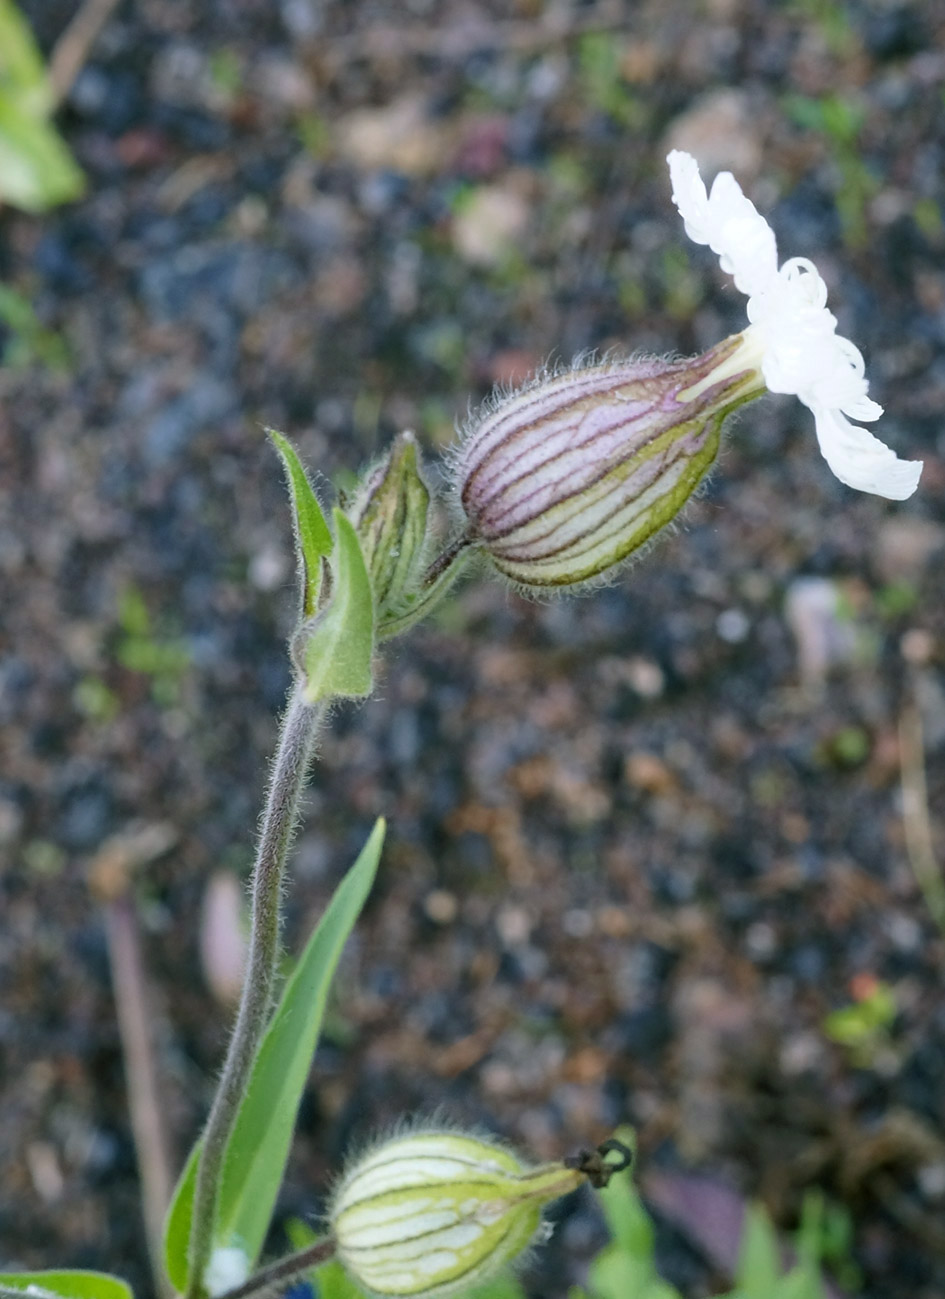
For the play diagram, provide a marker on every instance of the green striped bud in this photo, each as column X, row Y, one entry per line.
column 390, row 516
column 563, row 480
column 436, row 1213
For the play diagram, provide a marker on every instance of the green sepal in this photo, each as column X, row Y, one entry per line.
column 258, row 1146
column 339, row 645
column 312, row 536
column 68, row 1284
column 390, row 517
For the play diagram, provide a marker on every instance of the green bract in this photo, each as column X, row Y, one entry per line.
column 391, row 517
column 338, row 643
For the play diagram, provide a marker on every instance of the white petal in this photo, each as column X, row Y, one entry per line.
column 792, row 331
column 689, row 195
column 725, row 220
column 740, row 235
column 860, row 460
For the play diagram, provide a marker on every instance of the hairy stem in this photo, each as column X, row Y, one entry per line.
column 285, row 1270
column 299, row 727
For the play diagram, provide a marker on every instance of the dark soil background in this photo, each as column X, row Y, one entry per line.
column 642, row 842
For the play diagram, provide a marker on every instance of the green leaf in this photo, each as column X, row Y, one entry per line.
column 339, row 648
column 22, row 75
column 259, row 1146
column 759, row 1256
column 177, row 1224
column 312, row 535
column 68, row 1285
column 36, row 169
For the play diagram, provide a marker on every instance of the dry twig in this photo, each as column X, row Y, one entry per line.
column 915, row 815
column 73, row 46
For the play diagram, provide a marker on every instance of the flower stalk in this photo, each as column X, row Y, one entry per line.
column 277, row 1275
column 297, row 739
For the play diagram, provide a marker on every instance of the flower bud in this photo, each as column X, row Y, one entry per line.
column 564, row 479
column 434, row 1213
column 390, row 516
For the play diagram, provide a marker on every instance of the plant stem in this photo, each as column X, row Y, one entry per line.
column 286, row 1269
column 297, row 738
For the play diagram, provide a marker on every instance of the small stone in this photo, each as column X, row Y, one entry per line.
column 917, row 646
column 514, row 926
column 905, row 545
column 490, row 224
column 648, row 772
column 812, row 608
column 733, row 626
column 441, row 906
column 721, row 132
column 269, row 568
column 398, row 136
column 645, row 677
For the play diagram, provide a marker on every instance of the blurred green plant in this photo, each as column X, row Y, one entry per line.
column 864, row 1025
column 626, row 1268
column 27, row 340
column 833, row 22
column 139, row 650
column 896, row 599
column 602, row 82
column 37, row 171
column 840, row 121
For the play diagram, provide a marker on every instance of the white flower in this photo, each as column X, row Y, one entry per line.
column 792, row 333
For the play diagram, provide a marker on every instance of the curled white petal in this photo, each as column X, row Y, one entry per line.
column 792, row 330
column 860, row 460
column 727, row 221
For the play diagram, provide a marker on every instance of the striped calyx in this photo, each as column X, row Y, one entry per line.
column 563, row 480
column 436, row 1213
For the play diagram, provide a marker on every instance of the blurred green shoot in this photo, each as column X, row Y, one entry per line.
column 27, row 341
column 602, row 82
column 226, row 72
column 863, row 1026
column 840, row 121
column 626, row 1267
column 825, row 1235
column 833, row 21
column 37, row 171
column 896, row 599
column 139, row 650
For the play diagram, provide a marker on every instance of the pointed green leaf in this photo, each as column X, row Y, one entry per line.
column 22, row 74
column 68, row 1285
column 177, row 1224
column 259, row 1146
column 340, row 646
column 312, row 536
column 759, row 1258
